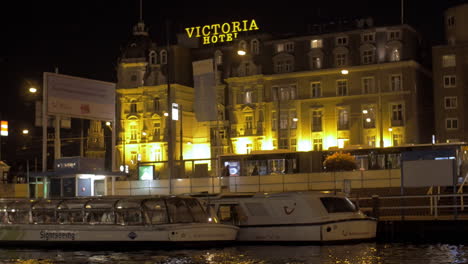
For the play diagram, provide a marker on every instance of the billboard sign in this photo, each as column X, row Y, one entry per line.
column 145, row 172
column 224, row 32
column 79, row 97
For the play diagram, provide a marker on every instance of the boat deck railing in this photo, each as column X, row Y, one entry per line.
column 415, row 207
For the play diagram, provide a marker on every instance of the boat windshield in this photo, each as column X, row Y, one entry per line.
column 338, row 205
column 109, row 211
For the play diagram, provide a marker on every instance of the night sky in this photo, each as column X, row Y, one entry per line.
column 84, row 38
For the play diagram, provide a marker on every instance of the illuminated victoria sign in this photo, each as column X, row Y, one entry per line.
column 221, row 32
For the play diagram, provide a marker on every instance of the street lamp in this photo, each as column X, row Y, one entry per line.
column 32, row 90
column 241, row 52
column 344, row 71
column 25, row 131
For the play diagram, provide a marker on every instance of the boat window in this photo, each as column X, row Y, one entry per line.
column 18, row 217
column 100, row 217
column 43, row 216
column 178, row 211
column 256, row 209
column 199, row 216
column 231, row 214
column 70, row 216
column 155, row 212
column 338, row 205
column 129, row 217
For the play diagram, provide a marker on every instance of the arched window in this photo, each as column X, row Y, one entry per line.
column 255, row 46
column 395, row 55
column 243, row 45
column 133, row 107
column 218, row 57
column 163, row 56
column 152, row 57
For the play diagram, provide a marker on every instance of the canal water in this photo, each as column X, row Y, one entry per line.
column 363, row 253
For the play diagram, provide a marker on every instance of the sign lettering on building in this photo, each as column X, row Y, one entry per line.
column 221, row 32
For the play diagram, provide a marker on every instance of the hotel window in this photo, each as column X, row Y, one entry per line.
column 451, row 123
column 368, row 116
column 343, row 119
column 316, row 62
column 368, row 37
column 284, row 119
column 163, row 56
column 156, row 104
column 368, row 84
column 293, row 119
column 368, row 56
column 397, row 139
column 450, row 81
column 133, row 132
column 450, row 21
column 243, row 45
column 152, row 57
column 395, row 55
column 397, row 115
column 340, row 59
column 341, row 87
column 289, row 46
column 157, row 131
column 316, row 88
column 218, row 57
column 283, row 66
column 370, row 141
column 316, row 120
column 394, row 35
column 293, row 144
column 450, row 102
column 133, row 108
column 449, row 60
column 285, row 93
column 255, row 46
column 279, row 47
column 318, row 146
column 248, row 123
column 316, row 43
column 248, row 97
column 395, row 82
column 274, row 122
column 341, row 41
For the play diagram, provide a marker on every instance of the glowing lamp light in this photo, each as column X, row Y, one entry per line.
column 32, row 90
column 25, row 131
column 108, row 123
column 241, row 52
column 166, row 114
column 295, row 119
column 364, row 111
column 344, row 71
column 368, row 120
column 390, row 129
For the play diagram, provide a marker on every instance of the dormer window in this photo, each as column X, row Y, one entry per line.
column 152, row 57
column 368, row 37
column 163, row 56
column 450, row 21
column 341, row 41
column 288, row 47
column 316, row 43
column 394, row 35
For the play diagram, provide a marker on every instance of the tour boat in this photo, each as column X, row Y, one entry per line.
column 165, row 219
column 293, row 216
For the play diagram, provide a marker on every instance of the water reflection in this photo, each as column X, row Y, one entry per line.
column 365, row 253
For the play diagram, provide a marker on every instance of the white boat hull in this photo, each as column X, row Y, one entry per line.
column 115, row 233
column 359, row 229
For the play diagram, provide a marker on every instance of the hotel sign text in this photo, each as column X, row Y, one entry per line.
column 221, row 32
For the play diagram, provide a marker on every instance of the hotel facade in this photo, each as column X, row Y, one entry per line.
column 359, row 87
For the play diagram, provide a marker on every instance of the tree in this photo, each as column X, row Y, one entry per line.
column 339, row 161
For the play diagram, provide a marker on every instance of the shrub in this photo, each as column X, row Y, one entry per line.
column 340, row 162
